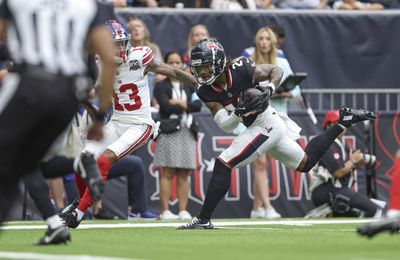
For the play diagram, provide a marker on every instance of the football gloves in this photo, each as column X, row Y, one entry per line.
column 250, row 104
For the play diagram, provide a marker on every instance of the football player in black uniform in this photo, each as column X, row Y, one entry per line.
column 224, row 85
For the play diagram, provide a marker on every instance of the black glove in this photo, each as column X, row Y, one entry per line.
column 267, row 91
column 240, row 107
column 252, row 104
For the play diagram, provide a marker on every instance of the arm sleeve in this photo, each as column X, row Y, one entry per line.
column 163, row 100
column 226, row 122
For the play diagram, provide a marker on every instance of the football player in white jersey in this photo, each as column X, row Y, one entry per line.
column 131, row 124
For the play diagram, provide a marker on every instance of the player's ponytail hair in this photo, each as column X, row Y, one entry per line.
column 257, row 56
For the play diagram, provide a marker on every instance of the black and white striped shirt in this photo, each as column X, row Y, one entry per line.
column 51, row 33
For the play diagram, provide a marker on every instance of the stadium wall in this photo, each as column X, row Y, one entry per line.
column 337, row 49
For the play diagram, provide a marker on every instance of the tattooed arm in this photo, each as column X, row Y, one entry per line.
column 268, row 72
column 169, row 71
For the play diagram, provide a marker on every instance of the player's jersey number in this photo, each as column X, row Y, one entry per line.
column 134, row 96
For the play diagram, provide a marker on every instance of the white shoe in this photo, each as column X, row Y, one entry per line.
column 258, row 213
column 270, row 212
column 184, row 214
column 168, row 215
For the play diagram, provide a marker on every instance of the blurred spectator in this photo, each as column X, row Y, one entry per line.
column 184, row 3
column 141, row 37
column 266, row 53
column 132, row 166
column 265, row 4
column 355, row 5
column 302, row 4
column 280, row 40
column 175, row 152
column 197, row 32
column 134, row 3
column 233, row 5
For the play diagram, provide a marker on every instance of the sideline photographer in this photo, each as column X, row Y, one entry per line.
column 331, row 180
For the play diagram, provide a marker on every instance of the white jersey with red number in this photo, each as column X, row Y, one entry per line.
column 131, row 94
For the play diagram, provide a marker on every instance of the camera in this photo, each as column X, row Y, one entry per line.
column 369, row 159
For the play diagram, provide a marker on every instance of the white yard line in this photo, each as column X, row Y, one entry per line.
column 217, row 223
column 34, row 256
column 292, row 229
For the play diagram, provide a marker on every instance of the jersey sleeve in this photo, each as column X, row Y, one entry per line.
column 204, row 94
column 147, row 56
column 245, row 67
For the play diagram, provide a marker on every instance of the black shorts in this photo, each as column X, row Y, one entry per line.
column 34, row 109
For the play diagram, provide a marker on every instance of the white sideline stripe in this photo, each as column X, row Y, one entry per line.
column 28, row 255
column 216, row 224
column 292, row 229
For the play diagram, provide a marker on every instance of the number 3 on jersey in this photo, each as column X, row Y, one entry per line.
column 134, row 96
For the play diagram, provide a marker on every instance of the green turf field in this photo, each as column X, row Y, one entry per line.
column 239, row 241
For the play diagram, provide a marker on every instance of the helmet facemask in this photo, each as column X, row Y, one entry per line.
column 121, row 40
column 121, row 47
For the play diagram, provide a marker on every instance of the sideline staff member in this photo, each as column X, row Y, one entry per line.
column 330, row 180
column 49, row 42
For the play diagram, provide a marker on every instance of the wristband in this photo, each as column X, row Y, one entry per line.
column 267, row 84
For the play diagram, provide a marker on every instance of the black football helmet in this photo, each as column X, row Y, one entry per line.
column 207, row 61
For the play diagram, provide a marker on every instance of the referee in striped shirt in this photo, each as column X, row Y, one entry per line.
column 49, row 42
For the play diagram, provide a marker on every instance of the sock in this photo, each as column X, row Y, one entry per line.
column 104, row 166
column 316, row 148
column 218, row 187
column 80, row 184
column 58, row 166
column 394, row 203
column 86, row 200
column 54, row 221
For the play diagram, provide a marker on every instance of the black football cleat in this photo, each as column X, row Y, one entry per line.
column 391, row 225
column 70, row 219
column 349, row 116
column 55, row 236
column 197, row 223
column 71, row 207
column 90, row 173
